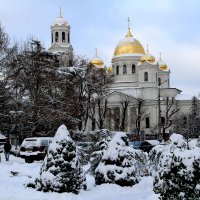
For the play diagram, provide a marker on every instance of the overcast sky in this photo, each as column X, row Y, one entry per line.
column 168, row 26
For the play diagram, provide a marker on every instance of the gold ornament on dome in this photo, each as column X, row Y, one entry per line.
column 129, row 45
column 147, row 57
column 96, row 61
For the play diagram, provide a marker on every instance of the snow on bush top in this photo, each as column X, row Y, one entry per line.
column 62, row 135
column 177, row 140
column 116, row 146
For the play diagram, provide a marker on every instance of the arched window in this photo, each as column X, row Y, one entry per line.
column 124, row 69
column 63, row 36
column 145, row 76
column 70, row 63
column 117, row 69
column 133, row 69
column 162, row 120
column 56, row 37
column 68, row 38
column 147, row 122
column 51, row 37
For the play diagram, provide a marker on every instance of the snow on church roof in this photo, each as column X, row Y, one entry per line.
column 135, row 92
column 183, row 96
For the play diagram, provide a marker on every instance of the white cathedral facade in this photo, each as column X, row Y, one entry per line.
column 139, row 81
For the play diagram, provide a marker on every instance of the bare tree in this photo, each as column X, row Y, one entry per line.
column 170, row 111
column 124, row 112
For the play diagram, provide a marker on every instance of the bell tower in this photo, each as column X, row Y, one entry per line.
column 60, row 39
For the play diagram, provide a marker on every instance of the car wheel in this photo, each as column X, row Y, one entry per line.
column 28, row 160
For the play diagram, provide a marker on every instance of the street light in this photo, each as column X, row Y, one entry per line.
column 159, row 109
column 17, row 125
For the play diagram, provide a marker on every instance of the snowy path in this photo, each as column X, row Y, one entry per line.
column 12, row 187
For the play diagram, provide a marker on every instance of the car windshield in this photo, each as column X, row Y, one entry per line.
column 44, row 143
column 29, row 142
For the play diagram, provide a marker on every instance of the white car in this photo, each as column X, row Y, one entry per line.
column 34, row 148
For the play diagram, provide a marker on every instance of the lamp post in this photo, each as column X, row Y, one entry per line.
column 15, row 119
column 159, row 109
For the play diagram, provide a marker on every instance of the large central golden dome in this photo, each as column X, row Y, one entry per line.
column 129, row 45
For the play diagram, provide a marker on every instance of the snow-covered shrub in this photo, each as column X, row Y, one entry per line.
column 178, row 170
column 118, row 164
column 175, row 141
column 61, row 170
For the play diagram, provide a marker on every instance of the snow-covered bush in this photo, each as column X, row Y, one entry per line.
column 178, row 170
column 61, row 170
column 118, row 164
column 175, row 141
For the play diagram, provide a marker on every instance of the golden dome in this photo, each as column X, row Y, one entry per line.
column 129, row 45
column 163, row 66
column 97, row 62
column 147, row 57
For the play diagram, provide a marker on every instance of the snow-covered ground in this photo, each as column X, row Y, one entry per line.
column 12, row 187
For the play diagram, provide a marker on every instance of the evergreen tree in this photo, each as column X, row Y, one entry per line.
column 61, row 170
column 118, row 164
column 178, row 171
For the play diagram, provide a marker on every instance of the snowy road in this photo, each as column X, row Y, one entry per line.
column 12, row 187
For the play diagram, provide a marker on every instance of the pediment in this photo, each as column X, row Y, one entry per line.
column 116, row 96
column 54, row 46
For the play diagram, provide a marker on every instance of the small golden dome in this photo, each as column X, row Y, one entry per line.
column 147, row 57
column 163, row 66
column 97, row 62
column 109, row 69
column 129, row 45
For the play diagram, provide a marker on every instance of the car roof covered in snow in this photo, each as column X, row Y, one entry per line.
column 153, row 142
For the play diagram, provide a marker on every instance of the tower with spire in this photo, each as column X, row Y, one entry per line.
column 60, row 39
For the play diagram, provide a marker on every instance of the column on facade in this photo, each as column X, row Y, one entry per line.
column 112, row 122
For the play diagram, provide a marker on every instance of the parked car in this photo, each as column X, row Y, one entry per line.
column 145, row 146
column 2, row 142
column 34, row 148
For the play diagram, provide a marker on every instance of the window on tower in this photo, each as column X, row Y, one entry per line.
column 68, row 38
column 56, row 37
column 70, row 63
column 162, row 121
column 145, row 76
column 147, row 122
column 63, row 36
column 124, row 69
column 133, row 69
column 117, row 69
column 51, row 37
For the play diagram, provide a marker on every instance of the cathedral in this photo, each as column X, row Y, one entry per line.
column 140, row 95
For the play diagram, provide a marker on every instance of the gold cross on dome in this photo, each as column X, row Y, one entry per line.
column 60, row 11
column 129, row 22
column 160, row 56
column 96, row 52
